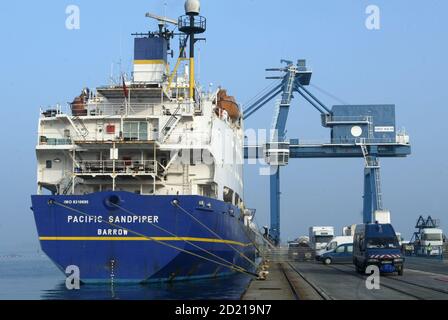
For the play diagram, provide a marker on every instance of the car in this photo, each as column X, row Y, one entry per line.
column 341, row 254
column 333, row 244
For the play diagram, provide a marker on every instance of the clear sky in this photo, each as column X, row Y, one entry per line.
column 404, row 63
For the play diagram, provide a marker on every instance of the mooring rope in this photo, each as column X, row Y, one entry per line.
column 176, row 204
column 239, row 269
column 186, row 241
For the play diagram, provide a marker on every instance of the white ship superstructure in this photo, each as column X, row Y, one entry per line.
column 156, row 134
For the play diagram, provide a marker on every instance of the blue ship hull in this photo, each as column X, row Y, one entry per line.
column 125, row 237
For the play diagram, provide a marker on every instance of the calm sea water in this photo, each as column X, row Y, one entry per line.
column 34, row 277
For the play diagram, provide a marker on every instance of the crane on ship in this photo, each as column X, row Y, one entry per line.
column 367, row 132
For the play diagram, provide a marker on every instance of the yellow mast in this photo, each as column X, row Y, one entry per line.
column 192, row 80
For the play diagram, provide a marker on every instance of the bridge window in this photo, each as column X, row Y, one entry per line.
column 135, row 131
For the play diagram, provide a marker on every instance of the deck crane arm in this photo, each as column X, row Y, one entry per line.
column 313, row 98
column 310, row 101
column 257, row 105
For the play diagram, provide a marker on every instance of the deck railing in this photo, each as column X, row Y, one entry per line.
column 120, row 167
column 121, row 109
column 55, row 141
column 112, row 109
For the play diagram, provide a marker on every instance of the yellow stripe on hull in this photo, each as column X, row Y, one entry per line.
column 143, row 239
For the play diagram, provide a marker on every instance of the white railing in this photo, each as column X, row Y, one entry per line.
column 121, row 109
column 113, row 109
column 46, row 141
column 349, row 141
column 366, row 141
column 350, row 119
column 51, row 111
column 120, row 167
column 138, row 109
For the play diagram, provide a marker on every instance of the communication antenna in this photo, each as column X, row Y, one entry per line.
column 162, row 20
column 112, row 80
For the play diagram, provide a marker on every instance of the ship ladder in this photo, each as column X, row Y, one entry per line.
column 80, row 127
column 171, row 124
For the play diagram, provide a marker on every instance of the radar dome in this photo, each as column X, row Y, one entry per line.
column 192, row 7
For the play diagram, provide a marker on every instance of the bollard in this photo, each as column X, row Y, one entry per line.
column 262, row 275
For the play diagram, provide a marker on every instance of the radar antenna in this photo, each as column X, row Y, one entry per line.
column 162, row 20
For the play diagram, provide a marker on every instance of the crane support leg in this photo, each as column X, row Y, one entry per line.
column 368, row 196
column 275, row 205
column 372, row 189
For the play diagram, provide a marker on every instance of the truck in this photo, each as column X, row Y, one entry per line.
column 302, row 241
column 431, row 242
column 320, row 236
column 428, row 240
column 377, row 244
column 300, row 250
column 349, row 230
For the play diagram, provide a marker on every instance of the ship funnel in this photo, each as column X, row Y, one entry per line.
column 150, row 59
column 192, row 7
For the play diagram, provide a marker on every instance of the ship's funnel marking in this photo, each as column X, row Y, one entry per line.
column 150, row 59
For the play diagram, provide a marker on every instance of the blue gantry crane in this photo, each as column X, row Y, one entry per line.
column 357, row 131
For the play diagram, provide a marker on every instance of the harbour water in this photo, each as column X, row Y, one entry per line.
column 34, row 277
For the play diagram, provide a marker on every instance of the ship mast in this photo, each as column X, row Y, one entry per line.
column 191, row 24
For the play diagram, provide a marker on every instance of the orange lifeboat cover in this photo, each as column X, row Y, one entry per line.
column 228, row 104
column 79, row 106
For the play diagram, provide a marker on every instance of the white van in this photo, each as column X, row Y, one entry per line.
column 333, row 244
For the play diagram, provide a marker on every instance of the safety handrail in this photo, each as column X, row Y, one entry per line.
column 117, row 166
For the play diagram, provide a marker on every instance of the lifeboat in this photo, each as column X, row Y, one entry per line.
column 79, row 107
column 228, row 104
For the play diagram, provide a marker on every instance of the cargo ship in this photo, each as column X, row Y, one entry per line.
column 142, row 180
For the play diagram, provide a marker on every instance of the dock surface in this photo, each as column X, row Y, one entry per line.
column 282, row 283
column 424, row 279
